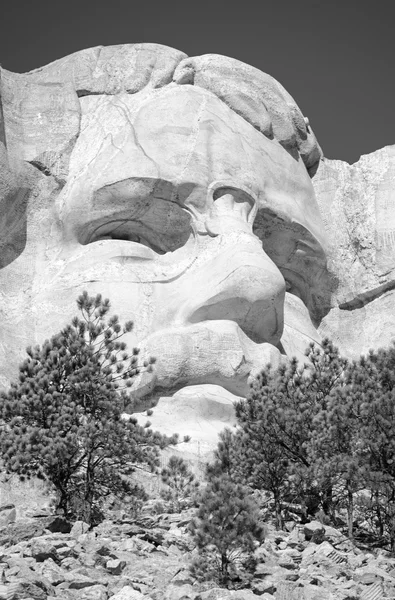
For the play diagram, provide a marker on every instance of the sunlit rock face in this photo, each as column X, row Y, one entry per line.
column 181, row 189
column 357, row 205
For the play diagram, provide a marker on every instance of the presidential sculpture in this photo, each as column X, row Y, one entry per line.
column 193, row 194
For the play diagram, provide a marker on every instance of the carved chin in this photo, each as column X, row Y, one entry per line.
column 211, row 352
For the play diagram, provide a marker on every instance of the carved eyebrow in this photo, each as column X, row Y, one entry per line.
column 139, row 187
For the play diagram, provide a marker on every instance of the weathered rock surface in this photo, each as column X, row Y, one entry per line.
column 357, row 207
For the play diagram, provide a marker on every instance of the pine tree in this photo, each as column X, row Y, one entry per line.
column 63, row 417
column 318, row 434
column 372, row 389
column 225, row 529
column 276, row 429
column 180, row 484
column 334, row 449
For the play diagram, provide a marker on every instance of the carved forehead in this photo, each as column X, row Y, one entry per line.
column 41, row 107
column 186, row 136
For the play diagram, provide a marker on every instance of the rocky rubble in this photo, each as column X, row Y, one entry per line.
column 45, row 558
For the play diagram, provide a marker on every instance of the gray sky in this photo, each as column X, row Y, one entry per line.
column 335, row 57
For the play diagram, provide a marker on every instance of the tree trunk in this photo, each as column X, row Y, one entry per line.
column 88, row 497
column 278, row 513
column 350, row 511
column 391, row 529
column 62, row 505
column 379, row 516
column 224, row 568
column 327, row 501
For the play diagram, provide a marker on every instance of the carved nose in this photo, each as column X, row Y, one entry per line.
column 240, row 283
column 245, row 287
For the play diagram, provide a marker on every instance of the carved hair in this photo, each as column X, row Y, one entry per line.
column 255, row 96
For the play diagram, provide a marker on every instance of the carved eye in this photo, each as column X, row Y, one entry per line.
column 142, row 211
column 130, row 231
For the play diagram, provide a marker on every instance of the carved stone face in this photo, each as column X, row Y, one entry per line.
column 191, row 221
column 175, row 188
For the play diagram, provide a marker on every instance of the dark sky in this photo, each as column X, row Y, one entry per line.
column 335, row 57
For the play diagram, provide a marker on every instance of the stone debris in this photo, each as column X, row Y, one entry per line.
column 373, row 592
column 149, row 560
column 314, row 531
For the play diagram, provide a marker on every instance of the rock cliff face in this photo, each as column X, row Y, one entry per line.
column 357, row 205
column 192, row 192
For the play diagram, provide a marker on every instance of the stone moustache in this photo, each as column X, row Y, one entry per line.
column 181, row 189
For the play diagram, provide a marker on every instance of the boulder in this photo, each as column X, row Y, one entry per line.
column 79, row 528
column 128, row 593
column 20, row 531
column 314, row 531
column 7, row 514
column 115, row 566
column 51, row 571
column 96, row 592
column 56, row 524
column 42, row 549
column 180, row 592
column 25, row 590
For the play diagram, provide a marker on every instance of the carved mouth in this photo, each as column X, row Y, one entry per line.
column 209, row 352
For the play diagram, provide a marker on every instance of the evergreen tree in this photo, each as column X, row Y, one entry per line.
column 224, row 457
column 276, row 430
column 317, row 434
column 225, row 529
column 334, row 449
column 180, row 484
column 372, row 389
column 276, row 427
column 249, row 458
column 63, row 417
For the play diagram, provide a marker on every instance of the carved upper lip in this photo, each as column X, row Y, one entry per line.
column 209, row 352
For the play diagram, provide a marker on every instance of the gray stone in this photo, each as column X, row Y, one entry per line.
column 77, row 581
column 128, row 593
column 79, row 528
column 180, row 592
column 42, row 549
column 24, row 590
column 51, row 571
column 115, row 566
column 7, row 516
column 18, row 532
column 96, row 592
column 56, row 524
column 315, row 530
